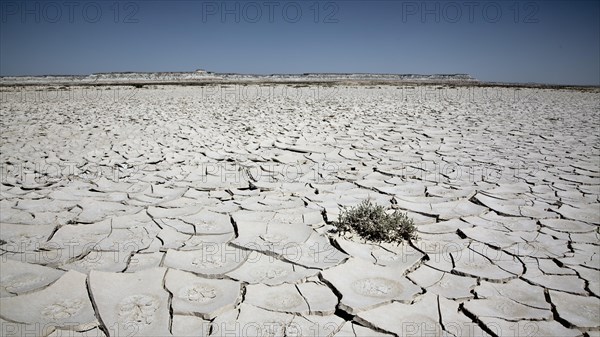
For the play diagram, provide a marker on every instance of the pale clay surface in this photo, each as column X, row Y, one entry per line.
column 196, row 211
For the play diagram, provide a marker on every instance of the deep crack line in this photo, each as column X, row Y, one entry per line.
column 101, row 325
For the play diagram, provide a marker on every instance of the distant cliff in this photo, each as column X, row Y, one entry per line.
column 202, row 76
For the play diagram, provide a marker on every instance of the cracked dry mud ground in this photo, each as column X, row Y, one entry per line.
column 173, row 212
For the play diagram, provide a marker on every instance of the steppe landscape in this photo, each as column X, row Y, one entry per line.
column 197, row 210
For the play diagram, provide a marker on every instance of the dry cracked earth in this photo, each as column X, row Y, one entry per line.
column 184, row 211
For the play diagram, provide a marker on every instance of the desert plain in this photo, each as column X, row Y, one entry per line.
column 197, row 210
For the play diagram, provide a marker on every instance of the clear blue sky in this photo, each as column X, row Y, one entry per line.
column 510, row 41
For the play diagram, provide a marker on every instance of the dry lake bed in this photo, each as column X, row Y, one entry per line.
column 168, row 210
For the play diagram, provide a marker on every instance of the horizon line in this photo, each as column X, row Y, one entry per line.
column 468, row 76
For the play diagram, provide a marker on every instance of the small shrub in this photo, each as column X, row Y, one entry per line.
column 371, row 222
